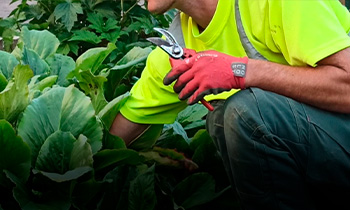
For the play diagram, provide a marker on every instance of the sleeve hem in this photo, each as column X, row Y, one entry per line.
column 142, row 119
column 326, row 50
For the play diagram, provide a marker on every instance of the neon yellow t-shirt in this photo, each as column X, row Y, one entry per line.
column 291, row 32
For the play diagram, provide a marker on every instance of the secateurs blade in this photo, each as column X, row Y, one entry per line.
column 169, row 45
column 174, row 50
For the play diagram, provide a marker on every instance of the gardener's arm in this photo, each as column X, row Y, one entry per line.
column 326, row 86
column 126, row 129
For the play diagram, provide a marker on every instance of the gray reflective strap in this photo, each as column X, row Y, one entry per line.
column 349, row 33
column 176, row 30
column 247, row 45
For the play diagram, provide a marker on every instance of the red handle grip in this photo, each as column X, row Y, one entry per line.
column 207, row 105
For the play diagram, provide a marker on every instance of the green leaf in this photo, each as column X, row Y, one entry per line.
column 63, row 49
column 169, row 158
column 7, row 22
column 148, row 138
column 192, row 114
column 68, row 176
column 142, row 195
column 81, row 153
column 111, row 36
column 37, row 87
column 55, row 154
column 112, row 157
column 111, row 24
column 3, row 82
column 135, row 26
column 85, row 36
column 195, row 190
column 68, row 12
column 35, row 11
column 28, row 201
column 96, row 19
column 106, row 9
column 115, row 194
column 174, row 142
column 14, row 153
column 110, row 111
column 122, row 69
column 134, row 56
column 205, row 152
column 112, row 142
column 175, row 129
column 64, row 109
column 38, row 65
column 93, row 86
column 44, row 43
column 61, row 65
column 207, row 157
column 146, row 24
column 14, row 98
column 62, row 153
column 100, row 25
column 7, row 64
column 8, row 38
column 93, row 58
column 202, row 137
column 66, row 48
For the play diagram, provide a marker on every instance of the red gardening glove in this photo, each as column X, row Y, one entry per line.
column 204, row 73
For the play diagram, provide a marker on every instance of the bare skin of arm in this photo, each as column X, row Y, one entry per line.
column 126, row 129
column 326, row 86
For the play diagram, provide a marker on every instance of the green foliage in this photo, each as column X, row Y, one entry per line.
column 61, row 87
column 68, row 13
column 14, row 153
column 83, row 24
column 7, row 64
column 14, row 98
column 142, row 194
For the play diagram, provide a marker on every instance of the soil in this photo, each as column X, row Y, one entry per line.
column 6, row 8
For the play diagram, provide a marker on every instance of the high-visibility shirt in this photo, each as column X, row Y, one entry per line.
column 290, row 32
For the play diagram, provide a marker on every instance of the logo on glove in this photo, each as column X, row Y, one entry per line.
column 239, row 69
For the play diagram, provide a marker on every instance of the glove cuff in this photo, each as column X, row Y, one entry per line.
column 239, row 69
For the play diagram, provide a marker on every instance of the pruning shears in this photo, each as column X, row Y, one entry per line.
column 174, row 50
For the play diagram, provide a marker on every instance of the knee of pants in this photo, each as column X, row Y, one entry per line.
column 265, row 113
column 241, row 112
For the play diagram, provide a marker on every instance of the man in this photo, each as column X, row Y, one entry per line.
column 285, row 136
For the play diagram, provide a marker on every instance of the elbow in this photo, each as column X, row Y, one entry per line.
column 342, row 102
column 345, row 108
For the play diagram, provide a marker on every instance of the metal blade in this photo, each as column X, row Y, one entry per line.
column 169, row 37
column 158, row 41
column 174, row 51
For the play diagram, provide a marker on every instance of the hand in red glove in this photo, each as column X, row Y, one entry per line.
column 204, row 73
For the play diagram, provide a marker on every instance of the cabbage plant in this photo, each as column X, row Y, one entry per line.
column 56, row 151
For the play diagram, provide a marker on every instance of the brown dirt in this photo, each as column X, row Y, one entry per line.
column 6, row 8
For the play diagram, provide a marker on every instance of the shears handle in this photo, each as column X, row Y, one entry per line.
column 187, row 54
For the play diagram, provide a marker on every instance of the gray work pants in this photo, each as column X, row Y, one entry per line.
column 282, row 154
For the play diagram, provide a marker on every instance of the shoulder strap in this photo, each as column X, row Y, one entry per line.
column 247, row 45
column 176, row 30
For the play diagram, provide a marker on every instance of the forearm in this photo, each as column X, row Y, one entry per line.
column 326, row 86
column 126, row 129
